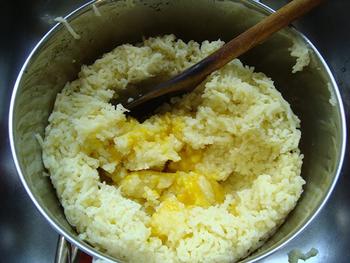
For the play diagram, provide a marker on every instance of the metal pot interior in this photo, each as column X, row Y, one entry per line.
column 58, row 58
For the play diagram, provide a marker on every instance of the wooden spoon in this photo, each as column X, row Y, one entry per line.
column 135, row 97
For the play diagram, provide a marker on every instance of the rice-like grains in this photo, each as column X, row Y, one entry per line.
column 232, row 144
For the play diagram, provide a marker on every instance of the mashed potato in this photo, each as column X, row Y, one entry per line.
column 207, row 179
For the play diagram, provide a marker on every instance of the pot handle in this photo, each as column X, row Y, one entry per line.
column 66, row 253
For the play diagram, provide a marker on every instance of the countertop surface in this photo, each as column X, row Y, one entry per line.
column 27, row 237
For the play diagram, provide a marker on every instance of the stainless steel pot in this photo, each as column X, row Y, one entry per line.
column 58, row 56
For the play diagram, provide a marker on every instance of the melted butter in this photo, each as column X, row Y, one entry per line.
column 136, row 184
column 168, row 191
column 158, row 130
column 191, row 189
column 167, row 220
column 188, row 162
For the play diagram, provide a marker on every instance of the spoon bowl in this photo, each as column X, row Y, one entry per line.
column 149, row 94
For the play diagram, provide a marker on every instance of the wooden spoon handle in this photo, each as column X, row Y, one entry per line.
column 258, row 33
column 191, row 77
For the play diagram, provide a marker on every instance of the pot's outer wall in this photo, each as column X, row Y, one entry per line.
column 25, row 234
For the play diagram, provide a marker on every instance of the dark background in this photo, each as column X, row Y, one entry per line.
column 26, row 237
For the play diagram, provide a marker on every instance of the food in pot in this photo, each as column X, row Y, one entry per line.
column 208, row 178
column 295, row 255
column 302, row 55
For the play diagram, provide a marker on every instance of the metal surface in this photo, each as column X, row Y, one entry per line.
column 331, row 225
column 57, row 58
column 65, row 252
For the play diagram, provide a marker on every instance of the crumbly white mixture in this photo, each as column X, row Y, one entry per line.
column 207, row 179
